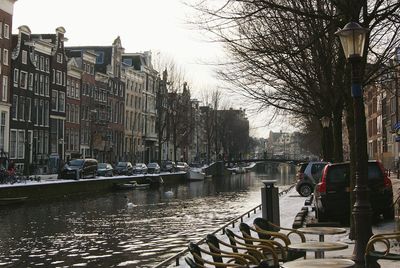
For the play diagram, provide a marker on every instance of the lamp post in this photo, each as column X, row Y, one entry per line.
column 352, row 37
column 325, row 122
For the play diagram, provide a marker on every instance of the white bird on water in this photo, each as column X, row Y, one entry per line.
column 169, row 193
column 129, row 204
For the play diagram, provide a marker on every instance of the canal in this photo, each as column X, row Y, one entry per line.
column 136, row 228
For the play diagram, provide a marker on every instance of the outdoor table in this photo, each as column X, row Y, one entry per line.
column 318, row 247
column 326, row 263
column 321, row 231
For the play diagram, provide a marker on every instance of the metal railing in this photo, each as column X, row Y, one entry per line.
column 221, row 229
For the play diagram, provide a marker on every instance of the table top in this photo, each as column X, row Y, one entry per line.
column 327, row 263
column 322, row 230
column 318, row 246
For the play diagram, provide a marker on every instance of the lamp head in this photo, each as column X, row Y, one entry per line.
column 352, row 37
column 325, row 121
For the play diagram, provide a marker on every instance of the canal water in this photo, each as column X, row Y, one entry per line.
column 136, row 228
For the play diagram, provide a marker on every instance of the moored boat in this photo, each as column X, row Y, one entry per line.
column 196, row 174
column 12, row 200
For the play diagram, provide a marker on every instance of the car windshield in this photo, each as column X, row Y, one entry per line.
column 139, row 165
column 121, row 164
column 152, row 165
column 102, row 165
column 180, row 163
column 76, row 162
column 302, row 167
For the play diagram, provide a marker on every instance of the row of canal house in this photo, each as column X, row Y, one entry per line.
column 87, row 101
column 382, row 114
column 59, row 103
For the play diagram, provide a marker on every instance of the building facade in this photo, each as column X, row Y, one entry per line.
column 6, row 14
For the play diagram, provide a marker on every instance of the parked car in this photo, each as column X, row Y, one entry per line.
column 182, row 166
column 124, row 168
column 153, row 168
column 105, row 169
column 332, row 194
column 168, row 166
column 140, row 168
column 308, row 175
column 79, row 169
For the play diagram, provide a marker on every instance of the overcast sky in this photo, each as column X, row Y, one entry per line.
column 156, row 25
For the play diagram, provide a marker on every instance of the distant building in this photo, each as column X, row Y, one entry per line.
column 285, row 145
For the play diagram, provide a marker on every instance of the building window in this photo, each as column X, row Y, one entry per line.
column 28, row 109
column 59, row 58
column 40, row 113
column 1, row 29
column 6, row 31
column 58, row 78
column 46, row 86
column 41, row 63
column 21, row 108
column 3, row 118
column 41, row 85
column 13, row 144
column 16, row 73
column 24, row 57
column 47, row 65
column 35, row 111
column 23, row 79
column 30, row 81
column 4, row 92
column 36, row 84
column 46, row 113
column 5, row 57
column 54, row 100
column 14, row 108
column 21, row 144
column 61, row 101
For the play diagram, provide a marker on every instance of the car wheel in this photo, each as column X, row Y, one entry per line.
column 305, row 190
column 388, row 214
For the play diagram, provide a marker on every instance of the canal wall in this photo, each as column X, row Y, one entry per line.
column 60, row 188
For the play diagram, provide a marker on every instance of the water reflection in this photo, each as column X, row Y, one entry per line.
column 105, row 231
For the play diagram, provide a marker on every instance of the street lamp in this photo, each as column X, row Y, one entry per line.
column 325, row 122
column 352, row 37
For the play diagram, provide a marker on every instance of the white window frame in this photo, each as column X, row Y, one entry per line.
column 54, row 93
column 23, row 85
column 16, row 77
column 24, row 57
column 4, row 92
column 5, row 57
column 13, row 154
column 60, row 93
column 6, row 31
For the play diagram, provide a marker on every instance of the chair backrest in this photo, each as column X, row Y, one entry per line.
column 231, row 238
column 245, row 229
column 195, row 250
column 213, row 244
column 264, row 225
column 191, row 263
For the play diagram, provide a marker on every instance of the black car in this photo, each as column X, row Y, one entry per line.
column 124, row 168
column 105, row 169
column 153, row 168
column 168, row 166
column 79, row 169
column 332, row 194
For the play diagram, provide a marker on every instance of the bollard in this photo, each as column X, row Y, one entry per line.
column 270, row 202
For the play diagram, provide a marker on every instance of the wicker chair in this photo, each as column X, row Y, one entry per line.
column 233, row 260
column 268, row 230
column 264, row 248
column 253, row 256
column 388, row 240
